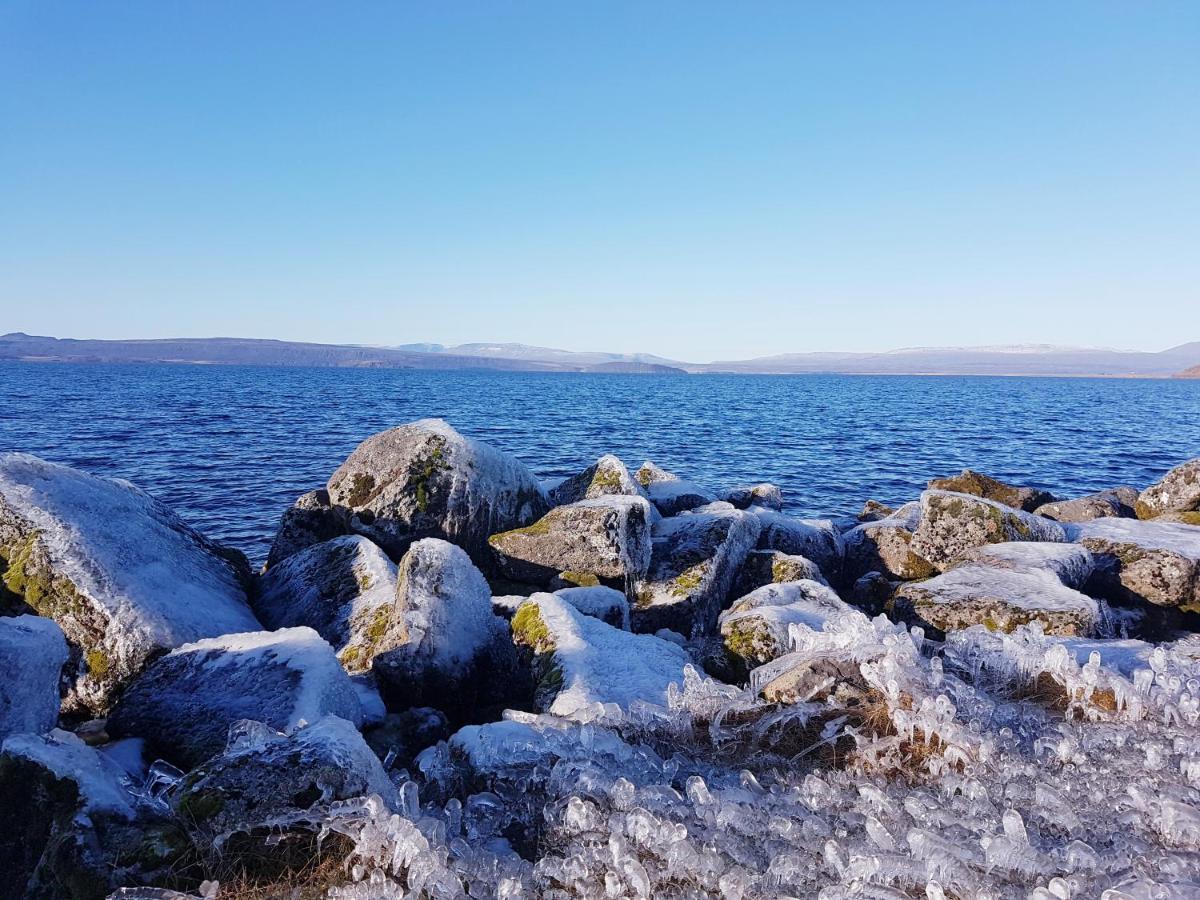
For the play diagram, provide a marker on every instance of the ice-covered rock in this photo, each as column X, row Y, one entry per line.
column 885, row 545
column 263, row 778
column 607, row 539
column 999, row 598
column 449, row 650
column 582, row 664
column 184, row 703
column 696, row 556
column 1072, row 564
column 764, row 494
column 980, row 485
column 755, row 629
column 310, row 520
column 669, row 493
column 773, row 567
column 1101, row 505
column 344, row 589
column 952, row 524
column 606, row 477
column 602, row 603
column 122, row 575
column 425, row 479
column 33, row 652
column 815, row 539
column 73, row 827
column 1177, row 491
column 1154, row 562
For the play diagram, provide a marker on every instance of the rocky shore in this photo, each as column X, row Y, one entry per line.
column 452, row 679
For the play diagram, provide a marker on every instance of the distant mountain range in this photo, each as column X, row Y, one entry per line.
column 1030, row 359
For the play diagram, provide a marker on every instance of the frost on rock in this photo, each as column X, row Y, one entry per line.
column 33, row 652
column 123, row 576
column 765, row 494
column 424, row 480
column 1151, row 562
column 583, row 665
column 756, row 628
column 184, row 704
column 1177, row 492
column 998, row 598
column 344, row 589
column 884, row 545
column 815, row 539
column 669, row 493
column 695, row 559
column 952, row 524
column 606, row 540
column 600, row 603
column 606, row 477
column 1071, row 564
column 451, row 651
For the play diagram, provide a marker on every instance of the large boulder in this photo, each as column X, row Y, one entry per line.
column 33, row 652
column 310, row 520
column 1177, row 492
column 445, row 646
column 266, row 777
column 952, row 524
column 885, row 545
column 606, row 477
column 764, row 494
column 73, row 829
column 123, row 576
column 184, row 703
column 980, row 485
column 669, row 493
column 580, row 663
column 344, row 589
column 755, row 628
column 695, row 559
column 607, row 538
column 1152, row 562
column 815, row 539
column 425, row 479
column 1001, row 599
column 1102, row 505
column 764, row 567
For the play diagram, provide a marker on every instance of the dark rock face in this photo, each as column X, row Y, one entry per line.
column 764, row 567
column 606, row 539
column 980, row 485
column 310, row 520
column 425, row 479
column 873, row 511
column 1177, row 492
column 401, row 736
column 766, row 495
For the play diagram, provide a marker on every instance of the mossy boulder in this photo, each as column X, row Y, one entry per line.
column 344, row 589
column 695, row 560
column 606, row 539
column 764, row 567
column 1148, row 562
column 885, row 546
column 33, row 652
column 1177, row 491
column 425, row 479
column 123, row 576
column 817, row 539
column 873, row 511
column 606, row 477
column 669, row 493
column 979, row 485
column 952, row 524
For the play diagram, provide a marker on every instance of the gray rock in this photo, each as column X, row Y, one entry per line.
column 310, row 520
column 695, row 559
column 873, row 511
column 344, row 589
column 607, row 539
column 766, row 495
column 184, row 703
column 885, row 546
column 73, row 830
column 764, row 567
column 33, row 652
column 980, row 485
column 669, row 493
column 447, row 648
column 123, row 576
column 1150, row 562
column 1177, row 492
column 953, row 524
column 815, row 539
column 606, row 477
column 425, row 479
column 265, row 778
column 1103, row 505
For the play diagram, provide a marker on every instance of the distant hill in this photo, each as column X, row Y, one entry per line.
column 1193, row 372
column 1032, row 359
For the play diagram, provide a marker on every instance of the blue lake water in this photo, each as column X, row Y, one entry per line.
column 231, row 447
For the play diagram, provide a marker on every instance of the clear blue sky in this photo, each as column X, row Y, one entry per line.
column 695, row 179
